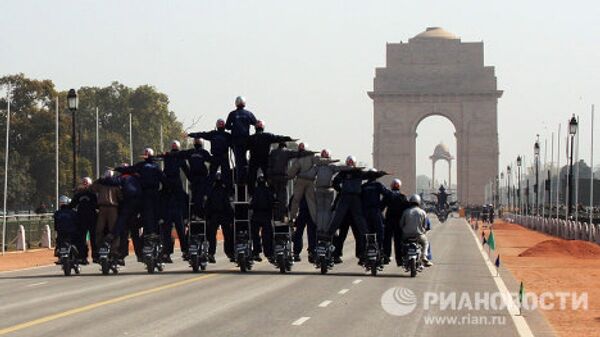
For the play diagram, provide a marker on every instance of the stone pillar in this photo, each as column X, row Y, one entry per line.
column 449, row 174
column 431, row 185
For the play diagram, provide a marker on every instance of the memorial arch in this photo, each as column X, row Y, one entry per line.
column 435, row 73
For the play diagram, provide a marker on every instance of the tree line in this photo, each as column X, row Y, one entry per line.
column 31, row 171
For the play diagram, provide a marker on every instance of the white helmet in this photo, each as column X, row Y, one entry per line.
column 351, row 160
column 108, row 174
column 63, row 200
column 86, row 181
column 148, row 152
column 396, row 184
column 175, row 145
column 240, row 102
column 415, row 199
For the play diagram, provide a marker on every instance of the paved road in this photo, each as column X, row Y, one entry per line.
column 223, row 302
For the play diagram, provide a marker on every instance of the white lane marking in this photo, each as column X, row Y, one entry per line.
column 36, row 284
column 343, row 291
column 300, row 320
column 325, row 304
column 357, row 281
column 520, row 323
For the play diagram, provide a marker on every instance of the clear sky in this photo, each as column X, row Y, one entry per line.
column 305, row 66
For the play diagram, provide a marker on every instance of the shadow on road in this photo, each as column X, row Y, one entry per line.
column 253, row 273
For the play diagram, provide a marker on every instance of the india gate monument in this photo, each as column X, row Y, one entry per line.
column 435, row 73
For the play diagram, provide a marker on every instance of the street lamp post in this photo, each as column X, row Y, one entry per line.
column 572, row 132
column 72, row 103
column 536, row 152
column 508, row 173
column 519, row 162
column 500, row 197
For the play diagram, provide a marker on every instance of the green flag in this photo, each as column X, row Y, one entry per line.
column 491, row 242
column 521, row 293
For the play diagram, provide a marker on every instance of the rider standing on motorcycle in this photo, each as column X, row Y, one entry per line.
column 239, row 122
column 129, row 209
column 413, row 225
column 86, row 203
column 219, row 212
column 278, row 176
column 324, row 192
column 371, row 195
column 175, row 201
column 259, row 145
column 303, row 169
column 220, row 142
column 66, row 225
column 304, row 220
column 348, row 184
column 150, row 177
column 197, row 159
column 262, row 214
column 109, row 195
column 395, row 203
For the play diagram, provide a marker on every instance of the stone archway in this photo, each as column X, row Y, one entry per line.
column 441, row 152
column 437, row 74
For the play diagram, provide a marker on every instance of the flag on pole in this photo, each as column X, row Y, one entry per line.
column 521, row 296
column 490, row 241
column 497, row 263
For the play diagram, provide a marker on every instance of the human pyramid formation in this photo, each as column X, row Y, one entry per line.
column 328, row 199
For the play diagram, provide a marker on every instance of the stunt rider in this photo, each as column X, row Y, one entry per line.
column 239, row 122
column 394, row 203
column 220, row 142
column 259, row 145
column 414, row 225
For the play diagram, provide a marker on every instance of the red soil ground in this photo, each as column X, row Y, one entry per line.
column 545, row 263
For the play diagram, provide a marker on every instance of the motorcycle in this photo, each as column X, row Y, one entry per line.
column 411, row 256
column 67, row 254
column 152, row 253
column 198, row 247
column 243, row 246
column 442, row 215
column 373, row 261
column 282, row 247
column 324, row 255
column 106, row 261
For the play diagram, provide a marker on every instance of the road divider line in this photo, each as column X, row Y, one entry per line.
column 324, row 304
column 520, row 323
column 300, row 320
column 67, row 313
column 36, row 284
column 357, row 281
column 343, row 291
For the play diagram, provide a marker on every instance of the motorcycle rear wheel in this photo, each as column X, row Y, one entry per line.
column 413, row 268
column 105, row 267
column 66, row 264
